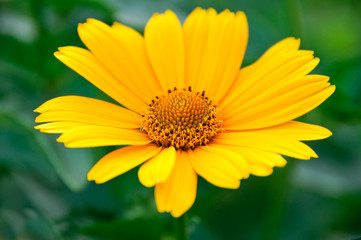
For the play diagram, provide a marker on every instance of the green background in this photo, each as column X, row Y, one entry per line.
column 44, row 193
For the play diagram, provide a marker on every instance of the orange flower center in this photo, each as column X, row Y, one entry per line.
column 183, row 119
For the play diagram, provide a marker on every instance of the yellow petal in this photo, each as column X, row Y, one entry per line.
column 266, row 78
column 178, row 193
column 80, row 111
column 281, row 109
column 260, row 170
column 122, row 52
column 233, row 157
column 275, row 89
column 83, row 62
column 59, row 127
column 165, row 46
column 286, row 45
column 268, row 142
column 95, row 136
column 298, row 130
column 215, row 46
column 260, row 77
column 215, row 168
column 157, row 169
column 261, row 162
column 121, row 161
column 134, row 45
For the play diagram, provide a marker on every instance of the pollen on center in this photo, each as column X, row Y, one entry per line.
column 183, row 119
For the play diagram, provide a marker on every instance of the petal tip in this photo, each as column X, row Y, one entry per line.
column 226, row 11
column 155, row 15
column 90, row 176
column 198, row 9
column 282, row 164
column 57, row 53
column 60, row 139
column 37, row 119
column 90, row 20
column 142, row 179
column 81, row 28
column 241, row 14
column 61, row 49
column 329, row 133
column 168, row 11
column 316, row 60
column 236, row 186
column 97, row 181
column 177, row 214
column 211, row 11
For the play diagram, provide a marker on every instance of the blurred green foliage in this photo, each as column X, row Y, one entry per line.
column 43, row 189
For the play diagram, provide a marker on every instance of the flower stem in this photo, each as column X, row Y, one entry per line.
column 181, row 227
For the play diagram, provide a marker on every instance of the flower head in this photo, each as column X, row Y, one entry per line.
column 189, row 109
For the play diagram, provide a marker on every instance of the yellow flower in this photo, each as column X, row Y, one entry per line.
column 188, row 107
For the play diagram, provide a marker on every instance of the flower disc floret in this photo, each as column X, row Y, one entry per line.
column 183, row 119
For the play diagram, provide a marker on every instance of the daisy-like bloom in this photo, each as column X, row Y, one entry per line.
column 186, row 107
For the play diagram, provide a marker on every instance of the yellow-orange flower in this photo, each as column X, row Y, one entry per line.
column 188, row 107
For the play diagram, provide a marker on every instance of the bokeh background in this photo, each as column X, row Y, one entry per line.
column 44, row 194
